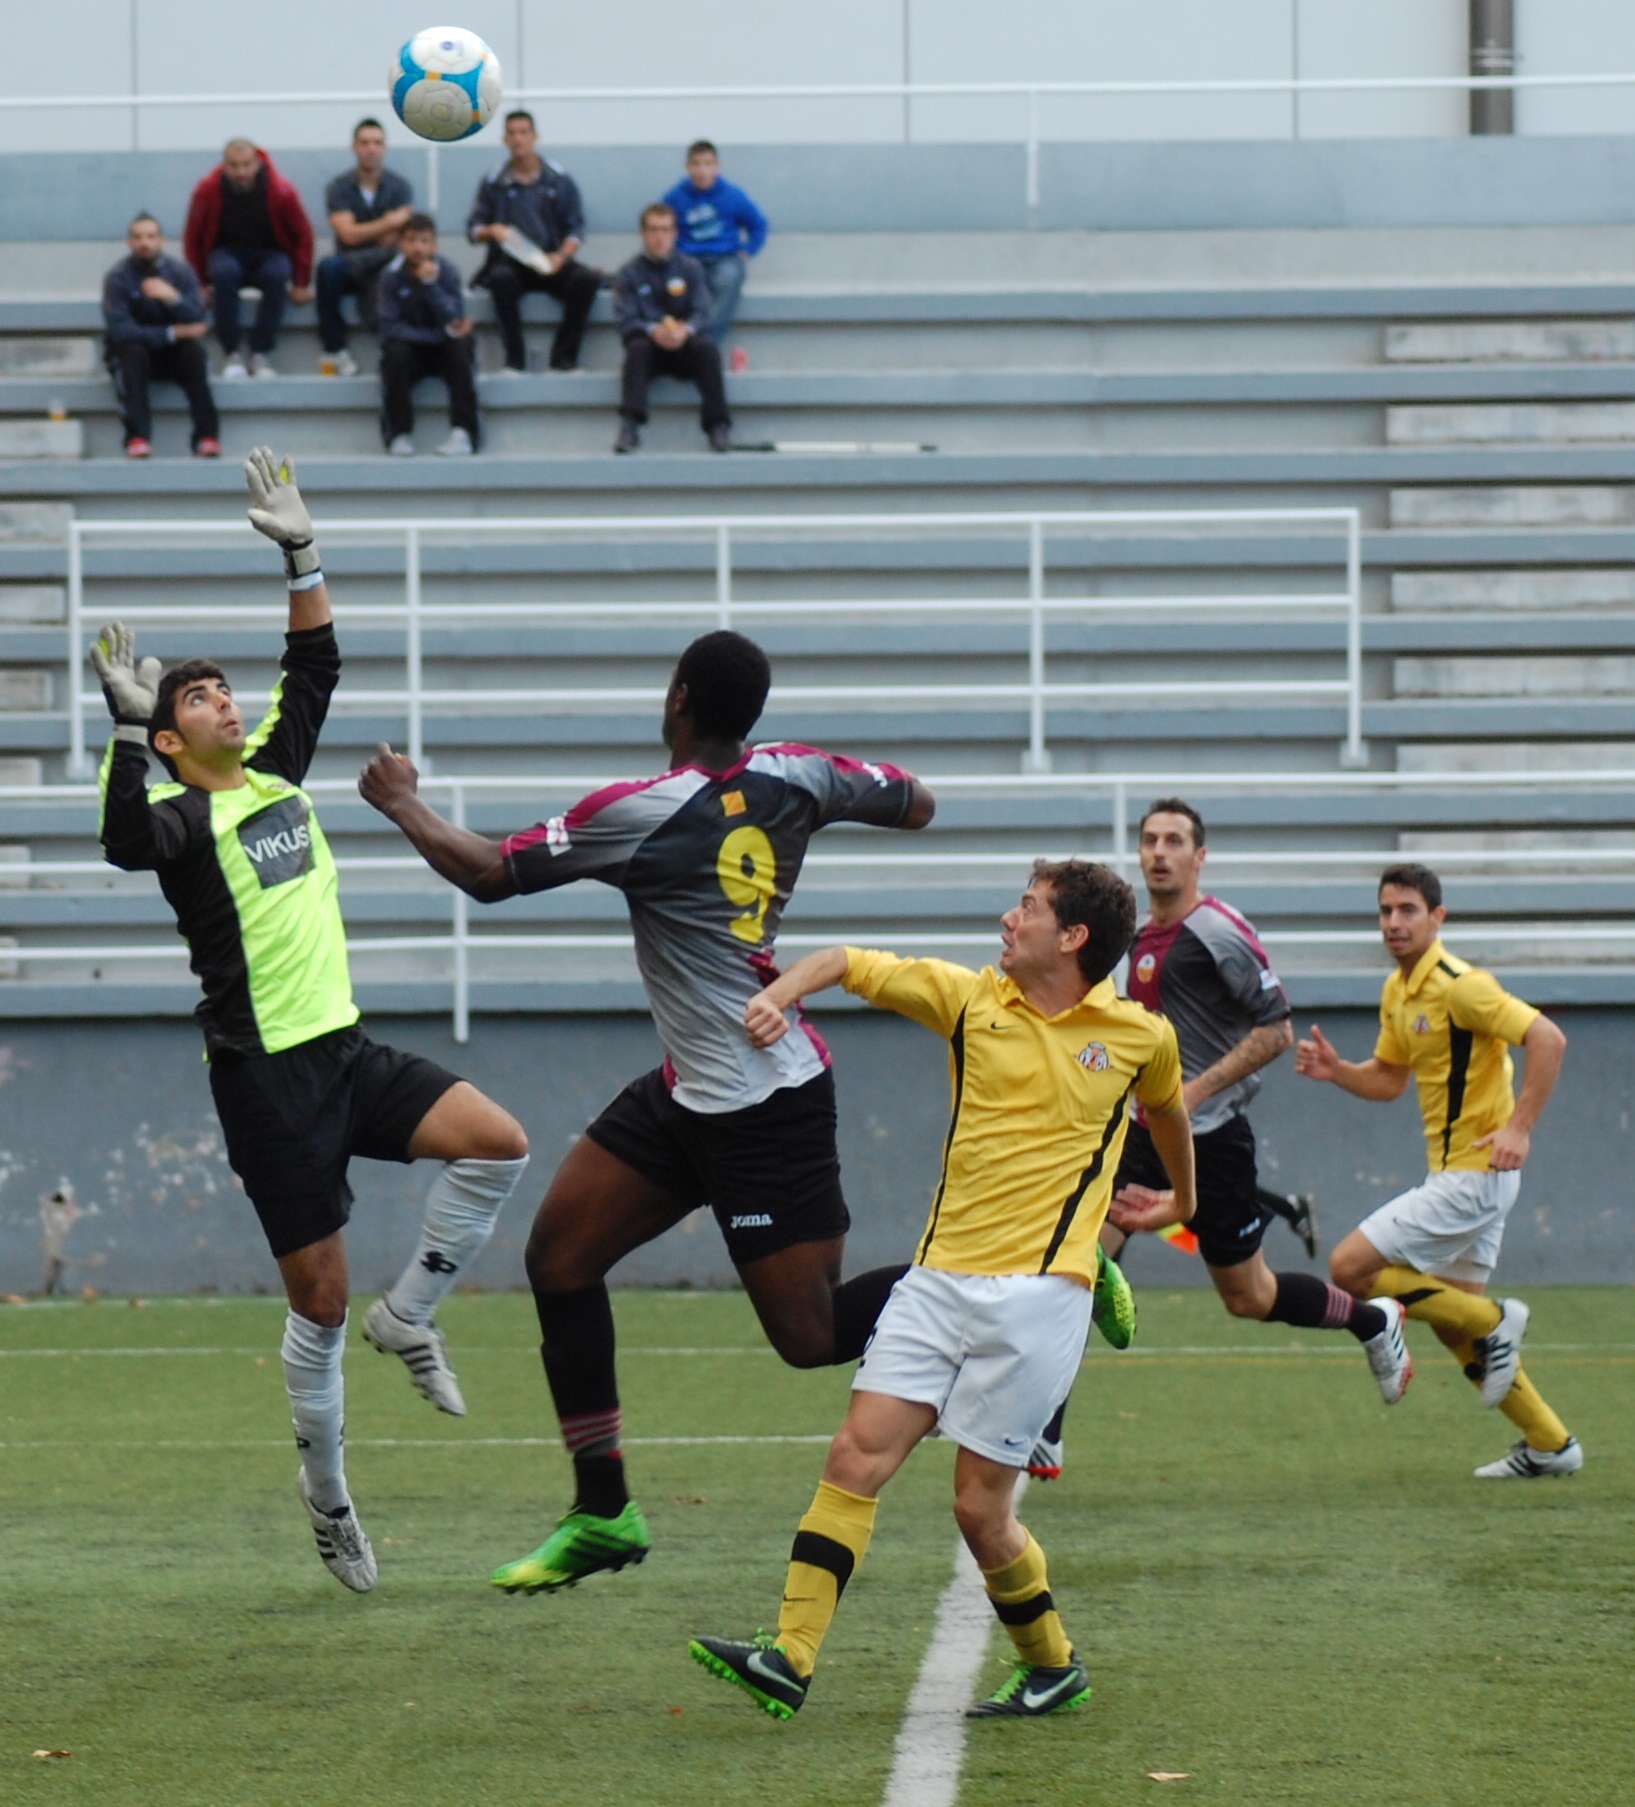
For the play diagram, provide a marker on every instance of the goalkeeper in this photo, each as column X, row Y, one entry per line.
column 297, row 1084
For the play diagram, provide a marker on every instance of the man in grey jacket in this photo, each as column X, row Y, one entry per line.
column 424, row 331
column 663, row 303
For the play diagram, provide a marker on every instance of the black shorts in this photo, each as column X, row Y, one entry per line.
column 770, row 1172
column 293, row 1121
column 1231, row 1219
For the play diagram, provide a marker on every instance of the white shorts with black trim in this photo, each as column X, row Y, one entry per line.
column 992, row 1354
column 1450, row 1226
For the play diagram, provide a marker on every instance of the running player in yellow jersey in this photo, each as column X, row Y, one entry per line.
column 983, row 1334
column 1450, row 1026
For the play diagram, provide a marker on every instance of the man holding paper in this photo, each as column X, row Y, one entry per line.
column 530, row 216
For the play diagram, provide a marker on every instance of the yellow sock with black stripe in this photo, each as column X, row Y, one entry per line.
column 1523, row 1405
column 1435, row 1302
column 1020, row 1592
column 829, row 1545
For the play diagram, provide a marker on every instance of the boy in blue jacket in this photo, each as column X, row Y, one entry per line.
column 720, row 226
column 424, row 331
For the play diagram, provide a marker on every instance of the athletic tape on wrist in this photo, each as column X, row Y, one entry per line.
column 309, row 582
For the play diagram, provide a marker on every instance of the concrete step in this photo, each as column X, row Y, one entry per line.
column 1528, row 423
column 41, row 357
column 1538, row 676
column 1515, row 505
column 1565, row 756
column 1513, row 341
column 24, row 691
column 32, row 603
column 1525, row 590
column 18, row 773
column 31, row 523
column 20, row 439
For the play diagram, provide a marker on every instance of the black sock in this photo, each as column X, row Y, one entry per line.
column 1053, row 1431
column 1313, row 1304
column 578, row 1354
column 858, row 1305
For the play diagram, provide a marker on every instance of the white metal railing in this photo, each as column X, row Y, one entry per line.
column 726, row 530
column 1029, row 92
column 1119, row 788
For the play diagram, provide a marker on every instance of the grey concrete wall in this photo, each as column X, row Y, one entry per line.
column 935, row 187
column 122, row 1111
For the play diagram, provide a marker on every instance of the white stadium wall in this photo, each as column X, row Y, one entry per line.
column 180, row 46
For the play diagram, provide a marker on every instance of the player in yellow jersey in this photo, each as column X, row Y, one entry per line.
column 982, row 1336
column 1449, row 1026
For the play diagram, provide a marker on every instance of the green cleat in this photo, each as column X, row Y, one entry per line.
column 1112, row 1310
column 1032, row 1692
column 579, row 1546
column 760, row 1668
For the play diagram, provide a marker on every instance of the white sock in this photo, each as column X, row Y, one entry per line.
column 462, row 1207
column 312, row 1375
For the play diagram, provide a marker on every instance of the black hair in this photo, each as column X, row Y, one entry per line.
column 657, row 210
column 1176, row 806
column 1097, row 897
column 1411, row 876
column 163, row 719
column 727, row 678
column 521, row 113
column 365, row 125
column 138, row 218
column 420, row 222
column 699, row 146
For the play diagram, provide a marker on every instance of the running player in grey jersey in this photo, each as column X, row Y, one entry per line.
column 707, row 855
column 1200, row 963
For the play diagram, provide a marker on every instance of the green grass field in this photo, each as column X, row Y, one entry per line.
column 1282, row 1589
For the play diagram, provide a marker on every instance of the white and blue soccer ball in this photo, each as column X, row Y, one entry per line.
column 445, row 83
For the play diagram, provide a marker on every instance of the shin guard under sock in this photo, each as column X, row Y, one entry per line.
column 577, row 1349
column 1435, row 1302
column 312, row 1376
column 857, row 1307
column 1020, row 1592
column 828, row 1547
column 462, row 1207
column 1312, row 1304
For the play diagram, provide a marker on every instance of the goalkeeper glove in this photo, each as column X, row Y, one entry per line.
column 278, row 511
column 131, row 690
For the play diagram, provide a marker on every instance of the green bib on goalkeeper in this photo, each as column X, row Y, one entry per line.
column 247, row 870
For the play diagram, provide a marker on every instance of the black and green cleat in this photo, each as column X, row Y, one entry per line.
column 1112, row 1310
column 580, row 1545
column 760, row 1668
column 1031, row 1692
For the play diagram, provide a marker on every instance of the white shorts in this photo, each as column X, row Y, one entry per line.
column 1450, row 1226
column 992, row 1354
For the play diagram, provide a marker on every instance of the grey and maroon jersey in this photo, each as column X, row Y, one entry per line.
column 707, row 862
column 1211, row 977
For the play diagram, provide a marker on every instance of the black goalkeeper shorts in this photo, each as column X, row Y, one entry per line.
column 1231, row 1220
column 294, row 1120
column 770, row 1172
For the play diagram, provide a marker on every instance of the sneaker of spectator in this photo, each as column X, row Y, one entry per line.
column 207, row 448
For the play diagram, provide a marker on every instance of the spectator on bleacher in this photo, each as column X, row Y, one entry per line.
column 663, row 303
column 722, row 228
column 153, row 319
column 247, row 229
column 424, row 331
column 532, row 206
column 368, row 207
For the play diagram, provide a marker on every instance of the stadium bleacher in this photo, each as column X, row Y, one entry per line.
column 1468, row 391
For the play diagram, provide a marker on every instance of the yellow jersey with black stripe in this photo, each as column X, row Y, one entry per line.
column 1039, row 1110
column 1454, row 1025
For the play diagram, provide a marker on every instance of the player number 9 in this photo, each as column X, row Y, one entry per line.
column 748, row 870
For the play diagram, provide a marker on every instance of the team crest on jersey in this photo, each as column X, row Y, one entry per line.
column 1093, row 1057
column 1422, row 1024
column 556, row 834
column 1145, row 967
column 732, row 803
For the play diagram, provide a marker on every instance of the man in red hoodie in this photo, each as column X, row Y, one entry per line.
column 246, row 228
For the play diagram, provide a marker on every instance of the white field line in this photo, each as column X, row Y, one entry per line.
column 1334, row 1347
column 931, row 1739
column 398, row 1442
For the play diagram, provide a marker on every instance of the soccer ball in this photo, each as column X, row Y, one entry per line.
column 445, row 83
